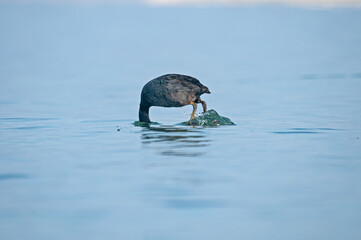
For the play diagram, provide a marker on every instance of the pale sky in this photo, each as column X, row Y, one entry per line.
column 307, row 3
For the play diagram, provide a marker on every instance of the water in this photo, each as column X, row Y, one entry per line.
column 73, row 165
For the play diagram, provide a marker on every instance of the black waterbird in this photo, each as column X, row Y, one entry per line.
column 171, row 90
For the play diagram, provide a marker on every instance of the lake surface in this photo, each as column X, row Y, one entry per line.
column 73, row 165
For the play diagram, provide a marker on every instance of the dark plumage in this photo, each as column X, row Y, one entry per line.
column 171, row 90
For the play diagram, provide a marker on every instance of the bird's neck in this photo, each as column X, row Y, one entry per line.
column 144, row 113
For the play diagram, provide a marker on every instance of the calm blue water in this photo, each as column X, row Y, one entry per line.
column 73, row 165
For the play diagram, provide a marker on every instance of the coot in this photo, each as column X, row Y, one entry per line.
column 171, row 90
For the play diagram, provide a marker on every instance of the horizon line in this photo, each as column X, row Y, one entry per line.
column 200, row 3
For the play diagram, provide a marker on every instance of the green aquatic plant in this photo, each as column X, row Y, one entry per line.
column 209, row 119
column 206, row 119
column 144, row 124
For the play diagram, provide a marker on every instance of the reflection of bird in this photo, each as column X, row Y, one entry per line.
column 171, row 90
column 176, row 140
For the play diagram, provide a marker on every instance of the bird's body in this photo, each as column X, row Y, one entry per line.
column 171, row 90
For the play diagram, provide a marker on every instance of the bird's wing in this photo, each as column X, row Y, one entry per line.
column 184, row 78
column 182, row 82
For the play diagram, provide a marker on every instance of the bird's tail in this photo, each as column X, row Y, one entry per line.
column 205, row 90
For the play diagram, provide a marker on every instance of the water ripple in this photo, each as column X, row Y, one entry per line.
column 295, row 132
column 26, row 119
column 299, row 130
column 10, row 176
column 193, row 203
